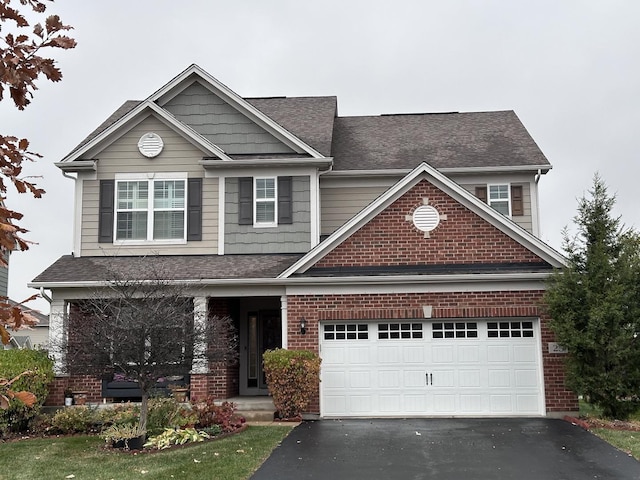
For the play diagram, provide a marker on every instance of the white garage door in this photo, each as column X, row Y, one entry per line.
column 431, row 368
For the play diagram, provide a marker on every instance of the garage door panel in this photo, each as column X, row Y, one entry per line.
column 499, row 353
column 389, row 378
column 524, row 354
column 334, row 379
column 414, row 378
column 444, row 404
column 360, row 404
column 359, row 355
column 501, row 404
column 469, row 378
column 360, row 379
column 442, row 354
column 526, row 378
column 414, row 354
column 499, row 378
column 468, row 354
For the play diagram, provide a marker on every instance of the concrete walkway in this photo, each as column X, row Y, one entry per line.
column 469, row 449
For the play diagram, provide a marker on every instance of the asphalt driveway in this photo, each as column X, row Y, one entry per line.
column 468, row 449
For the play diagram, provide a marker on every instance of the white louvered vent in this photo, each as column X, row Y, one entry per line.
column 150, row 145
column 426, row 218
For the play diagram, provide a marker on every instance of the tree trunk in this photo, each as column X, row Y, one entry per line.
column 144, row 410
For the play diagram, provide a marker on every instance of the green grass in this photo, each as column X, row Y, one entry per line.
column 624, row 440
column 232, row 458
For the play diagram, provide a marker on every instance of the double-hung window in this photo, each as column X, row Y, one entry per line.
column 504, row 198
column 499, row 198
column 265, row 195
column 149, row 210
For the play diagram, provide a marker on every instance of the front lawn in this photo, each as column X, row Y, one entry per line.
column 623, row 435
column 82, row 457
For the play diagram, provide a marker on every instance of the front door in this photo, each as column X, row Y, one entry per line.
column 262, row 331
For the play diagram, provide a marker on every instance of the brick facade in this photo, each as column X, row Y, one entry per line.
column 317, row 308
column 391, row 240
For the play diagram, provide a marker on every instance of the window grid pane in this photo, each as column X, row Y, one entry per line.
column 131, row 226
column 168, row 194
column 392, row 331
column 346, row 331
column 510, row 329
column 168, row 225
column 454, row 330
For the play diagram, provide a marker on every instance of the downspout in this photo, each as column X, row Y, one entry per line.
column 45, row 296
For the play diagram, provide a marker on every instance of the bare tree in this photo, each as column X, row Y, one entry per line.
column 144, row 330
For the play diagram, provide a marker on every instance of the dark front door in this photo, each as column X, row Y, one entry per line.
column 263, row 332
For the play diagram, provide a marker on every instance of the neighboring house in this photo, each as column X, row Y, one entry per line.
column 402, row 248
column 36, row 336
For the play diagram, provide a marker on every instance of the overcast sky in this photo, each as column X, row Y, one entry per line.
column 570, row 70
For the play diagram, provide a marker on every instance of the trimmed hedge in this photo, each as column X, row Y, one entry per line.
column 12, row 364
column 292, row 378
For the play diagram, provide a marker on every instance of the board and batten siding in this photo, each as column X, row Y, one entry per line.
column 526, row 220
column 288, row 238
column 123, row 156
column 222, row 124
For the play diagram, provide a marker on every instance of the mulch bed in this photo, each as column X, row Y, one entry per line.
column 590, row 422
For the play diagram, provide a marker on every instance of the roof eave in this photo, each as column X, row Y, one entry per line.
column 347, row 280
column 320, row 163
column 78, row 166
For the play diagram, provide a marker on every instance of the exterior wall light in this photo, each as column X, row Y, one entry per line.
column 303, row 326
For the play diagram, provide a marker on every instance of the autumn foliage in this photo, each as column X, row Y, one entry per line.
column 292, row 378
column 21, row 64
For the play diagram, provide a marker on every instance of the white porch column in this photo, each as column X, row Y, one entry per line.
column 58, row 331
column 284, row 322
column 200, row 364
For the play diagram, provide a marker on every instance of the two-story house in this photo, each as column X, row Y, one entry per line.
column 402, row 248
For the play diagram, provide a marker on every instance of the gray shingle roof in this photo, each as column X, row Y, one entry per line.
column 449, row 140
column 178, row 267
column 308, row 118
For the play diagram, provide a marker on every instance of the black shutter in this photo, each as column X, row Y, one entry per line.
column 481, row 193
column 194, row 209
column 245, row 201
column 517, row 202
column 105, row 212
column 285, row 200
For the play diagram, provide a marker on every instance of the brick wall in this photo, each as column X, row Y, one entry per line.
column 316, row 308
column 389, row 239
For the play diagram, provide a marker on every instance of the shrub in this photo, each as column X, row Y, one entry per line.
column 175, row 436
column 210, row 414
column 292, row 378
column 168, row 413
column 13, row 363
column 119, row 414
column 79, row 419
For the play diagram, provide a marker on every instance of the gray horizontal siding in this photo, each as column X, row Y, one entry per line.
column 222, row 124
column 123, row 156
column 294, row 238
column 340, row 204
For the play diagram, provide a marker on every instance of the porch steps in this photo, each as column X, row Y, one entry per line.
column 254, row 409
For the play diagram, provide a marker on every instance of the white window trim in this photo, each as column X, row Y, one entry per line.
column 274, row 223
column 150, row 178
column 508, row 199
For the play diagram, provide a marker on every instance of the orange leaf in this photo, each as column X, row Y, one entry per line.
column 4, row 402
column 28, row 398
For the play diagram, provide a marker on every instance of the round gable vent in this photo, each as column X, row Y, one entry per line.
column 150, row 145
column 426, row 218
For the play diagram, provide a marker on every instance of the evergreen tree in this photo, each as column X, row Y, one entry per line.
column 594, row 303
